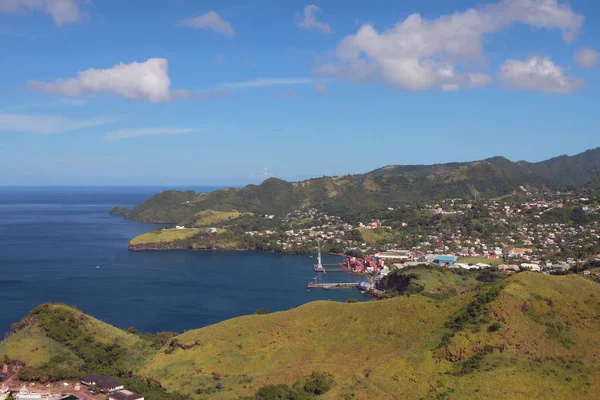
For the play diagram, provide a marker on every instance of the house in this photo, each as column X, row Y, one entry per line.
column 508, row 267
column 462, row 265
column 125, row 395
column 530, row 266
column 518, row 252
column 103, row 383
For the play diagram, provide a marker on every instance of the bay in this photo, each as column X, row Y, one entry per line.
column 59, row 244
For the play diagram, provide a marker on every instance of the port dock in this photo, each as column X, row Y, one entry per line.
column 334, row 285
column 325, row 268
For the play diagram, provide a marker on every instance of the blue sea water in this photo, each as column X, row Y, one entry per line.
column 60, row 245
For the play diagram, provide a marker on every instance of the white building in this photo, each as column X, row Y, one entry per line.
column 530, row 266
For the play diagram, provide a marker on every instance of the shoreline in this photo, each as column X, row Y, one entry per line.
column 343, row 268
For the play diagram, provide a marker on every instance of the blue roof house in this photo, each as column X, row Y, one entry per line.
column 442, row 260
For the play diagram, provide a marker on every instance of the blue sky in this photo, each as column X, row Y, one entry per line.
column 182, row 92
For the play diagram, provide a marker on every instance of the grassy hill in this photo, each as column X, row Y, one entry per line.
column 212, row 218
column 491, row 178
column 164, row 236
column 530, row 336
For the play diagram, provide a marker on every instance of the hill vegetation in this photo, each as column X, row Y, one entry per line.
column 528, row 336
column 349, row 194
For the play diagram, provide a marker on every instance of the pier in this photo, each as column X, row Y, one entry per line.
column 325, row 268
column 334, row 285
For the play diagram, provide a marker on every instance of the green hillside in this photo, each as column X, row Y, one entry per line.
column 491, row 178
column 531, row 336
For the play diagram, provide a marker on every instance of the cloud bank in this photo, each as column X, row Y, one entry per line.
column 308, row 20
column 443, row 53
column 62, row 11
column 45, row 124
column 210, row 21
column 538, row 73
column 148, row 81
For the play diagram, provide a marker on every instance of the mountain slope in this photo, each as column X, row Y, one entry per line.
column 532, row 336
column 489, row 178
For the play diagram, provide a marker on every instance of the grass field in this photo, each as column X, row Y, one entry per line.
column 537, row 337
column 372, row 236
column 477, row 260
column 443, row 279
column 170, row 235
column 33, row 345
column 211, row 217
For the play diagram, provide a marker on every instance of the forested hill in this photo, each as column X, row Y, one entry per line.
column 488, row 178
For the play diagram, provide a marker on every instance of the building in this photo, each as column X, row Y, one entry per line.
column 445, row 260
column 27, row 395
column 400, row 255
column 530, row 266
column 102, row 383
column 125, row 395
column 518, row 252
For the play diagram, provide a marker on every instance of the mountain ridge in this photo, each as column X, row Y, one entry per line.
column 492, row 177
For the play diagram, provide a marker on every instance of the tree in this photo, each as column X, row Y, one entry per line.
column 578, row 216
column 274, row 392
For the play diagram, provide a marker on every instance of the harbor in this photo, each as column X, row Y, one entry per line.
column 319, row 267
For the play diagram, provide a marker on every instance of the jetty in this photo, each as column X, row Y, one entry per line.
column 333, row 285
column 325, row 268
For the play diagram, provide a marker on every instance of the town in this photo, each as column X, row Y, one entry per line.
column 549, row 232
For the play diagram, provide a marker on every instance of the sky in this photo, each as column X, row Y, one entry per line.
column 223, row 92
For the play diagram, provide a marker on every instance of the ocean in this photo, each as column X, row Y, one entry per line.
column 58, row 244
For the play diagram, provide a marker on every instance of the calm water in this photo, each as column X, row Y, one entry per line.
column 52, row 239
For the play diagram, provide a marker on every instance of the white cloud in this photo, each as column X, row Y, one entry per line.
column 321, row 89
column 127, row 133
column 147, row 81
column 261, row 82
column 587, row 58
column 308, row 20
column 442, row 53
column 62, row 11
column 45, row 124
column 538, row 73
column 211, row 21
